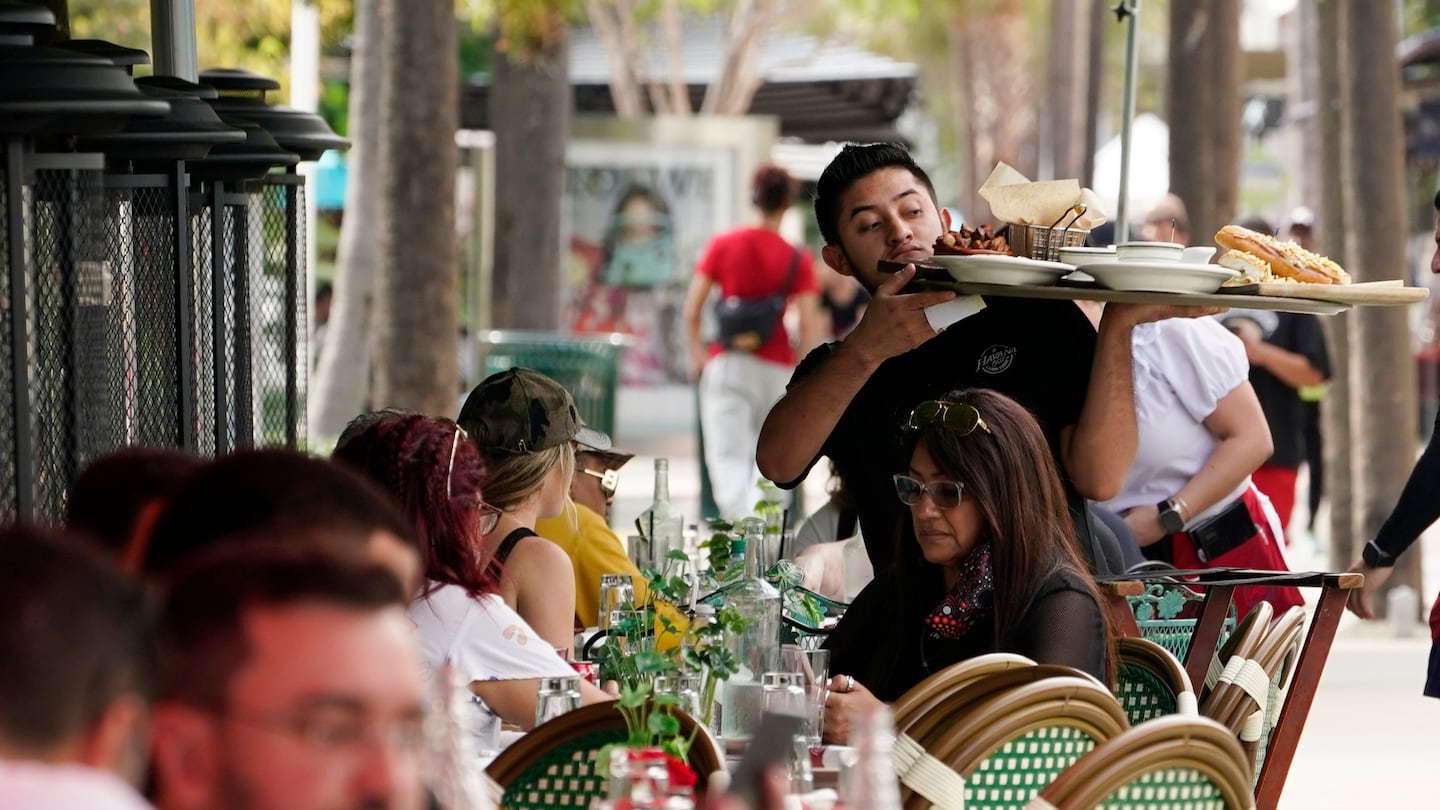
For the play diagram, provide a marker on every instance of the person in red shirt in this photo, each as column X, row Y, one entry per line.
column 739, row 383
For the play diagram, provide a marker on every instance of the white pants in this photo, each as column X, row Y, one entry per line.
column 736, row 390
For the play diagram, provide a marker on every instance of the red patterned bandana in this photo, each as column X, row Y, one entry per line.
column 970, row 601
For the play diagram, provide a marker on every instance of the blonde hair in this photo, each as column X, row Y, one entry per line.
column 514, row 477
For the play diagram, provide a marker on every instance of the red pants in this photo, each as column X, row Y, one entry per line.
column 1278, row 484
column 1261, row 551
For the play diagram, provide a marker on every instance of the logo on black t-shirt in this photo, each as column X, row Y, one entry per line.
column 995, row 359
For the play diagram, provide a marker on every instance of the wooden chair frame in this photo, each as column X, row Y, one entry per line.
column 1218, row 584
column 1164, row 743
column 1160, row 665
column 929, row 693
column 514, row 762
column 927, row 729
column 1008, row 714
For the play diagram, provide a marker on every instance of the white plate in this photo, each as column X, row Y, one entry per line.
column 991, row 269
column 1170, row 277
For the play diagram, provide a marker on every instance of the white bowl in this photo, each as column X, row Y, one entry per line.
column 1161, row 276
column 1081, row 256
column 1149, row 251
column 1010, row 270
column 1199, row 254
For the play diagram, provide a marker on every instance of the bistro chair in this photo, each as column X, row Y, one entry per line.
column 1169, row 763
column 1248, row 696
column 1151, row 682
column 1009, row 746
column 555, row 764
column 926, row 695
column 926, row 729
column 1243, row 642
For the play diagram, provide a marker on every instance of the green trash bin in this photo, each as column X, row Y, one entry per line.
column 588, row 365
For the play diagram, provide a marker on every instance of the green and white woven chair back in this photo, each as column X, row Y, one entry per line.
column 1142, row 693
column 1168, row 789
column 1024, row 766
column 567, row 776
column 1157, row 614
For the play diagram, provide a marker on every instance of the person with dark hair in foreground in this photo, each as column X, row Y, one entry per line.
column 79, row 668
column 994, row 565
column 116, row 499
column 249, row 495
column 1418, row 507
column 295, row 682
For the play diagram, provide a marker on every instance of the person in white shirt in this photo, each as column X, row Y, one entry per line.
column 1188, row 495
column 434, row 472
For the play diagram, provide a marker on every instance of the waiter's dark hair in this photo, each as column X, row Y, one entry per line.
column 856, row 161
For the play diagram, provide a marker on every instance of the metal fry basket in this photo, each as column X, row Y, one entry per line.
column 1039, row 242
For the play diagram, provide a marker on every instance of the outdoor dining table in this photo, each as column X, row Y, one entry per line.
column 1217, row 585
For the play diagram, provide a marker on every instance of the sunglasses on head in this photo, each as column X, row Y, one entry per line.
column 956, row 417
column 944, row 494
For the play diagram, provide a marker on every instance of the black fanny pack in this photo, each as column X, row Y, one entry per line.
column 1223, row 532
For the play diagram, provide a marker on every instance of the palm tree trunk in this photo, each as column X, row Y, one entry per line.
column 530, row 108
column 417, row 318
column 342, row 374
column 1204, row 111
column 1382, row 417
column 1335, row 411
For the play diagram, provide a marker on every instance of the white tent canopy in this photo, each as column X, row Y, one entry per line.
column 1149, row 167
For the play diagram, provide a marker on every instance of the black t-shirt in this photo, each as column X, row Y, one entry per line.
column 1036, row 352
column 1293, row 332
column 884, row 643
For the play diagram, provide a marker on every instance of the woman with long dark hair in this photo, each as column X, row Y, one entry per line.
column 994, row 564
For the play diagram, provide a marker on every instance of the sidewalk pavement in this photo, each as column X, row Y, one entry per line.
column 1371, row 740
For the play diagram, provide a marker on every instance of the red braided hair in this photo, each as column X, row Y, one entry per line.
column 409, row 454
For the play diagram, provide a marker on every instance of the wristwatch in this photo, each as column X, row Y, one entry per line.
column 1376, row 557
column 1170, row 518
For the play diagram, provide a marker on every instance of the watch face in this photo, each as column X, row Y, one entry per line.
column 1170, row 520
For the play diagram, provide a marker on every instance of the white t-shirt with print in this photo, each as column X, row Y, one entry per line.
column 483, row 638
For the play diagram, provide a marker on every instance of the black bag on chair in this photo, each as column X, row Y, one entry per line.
column 745, row 324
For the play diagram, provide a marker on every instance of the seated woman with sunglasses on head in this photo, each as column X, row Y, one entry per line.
column 434, row 473
column 987, row 561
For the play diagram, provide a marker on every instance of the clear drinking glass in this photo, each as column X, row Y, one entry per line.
column 556, row 696
column 783, row 693
column 813, row 667
column 617, row 592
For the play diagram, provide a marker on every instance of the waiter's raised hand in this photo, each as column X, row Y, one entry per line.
column 895, row 323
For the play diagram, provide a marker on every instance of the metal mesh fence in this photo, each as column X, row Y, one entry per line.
column 202, row 338
column 102, row 360
column 9, row 482
column 73, row 421
column 277, row 297
column 141, row 323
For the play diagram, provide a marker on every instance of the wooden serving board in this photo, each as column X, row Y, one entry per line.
column 1369, row 293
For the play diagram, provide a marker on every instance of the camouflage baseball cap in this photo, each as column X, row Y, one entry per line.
column 523, row 411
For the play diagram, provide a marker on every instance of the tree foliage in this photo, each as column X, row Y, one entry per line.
column 254, row 35
column 523, row 26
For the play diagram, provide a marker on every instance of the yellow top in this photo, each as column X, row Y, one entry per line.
column 595, row 550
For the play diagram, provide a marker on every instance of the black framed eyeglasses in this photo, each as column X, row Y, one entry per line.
column 609, row 480
column 956, row 417
column 489, row 517
column 944, row 494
